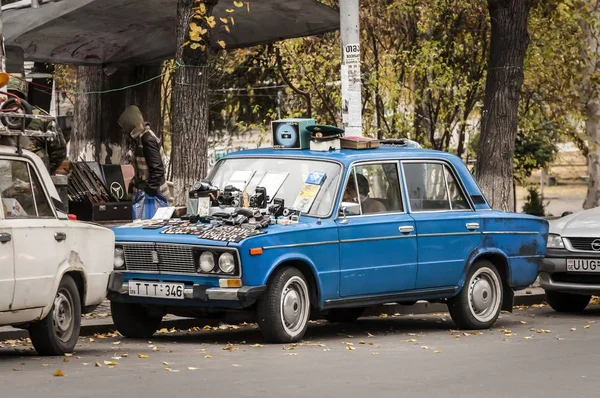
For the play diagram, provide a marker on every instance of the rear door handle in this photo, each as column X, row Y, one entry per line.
column 472, row 225
column 4, row 237
column 406, row 229
column 59, row 236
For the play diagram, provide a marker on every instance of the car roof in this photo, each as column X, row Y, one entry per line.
column 348, row 156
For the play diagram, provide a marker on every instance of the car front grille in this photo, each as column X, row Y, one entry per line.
column 584, row 244
column 159, row 258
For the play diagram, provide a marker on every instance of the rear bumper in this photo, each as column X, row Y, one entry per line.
column 554, row 276
column 245, row 295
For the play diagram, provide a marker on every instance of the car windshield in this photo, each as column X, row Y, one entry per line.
column 304, row 184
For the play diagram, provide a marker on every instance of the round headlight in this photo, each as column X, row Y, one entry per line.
column 207, row 262
column 119, row 262
column 227, row 263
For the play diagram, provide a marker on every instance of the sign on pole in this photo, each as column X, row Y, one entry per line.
column 351, row 81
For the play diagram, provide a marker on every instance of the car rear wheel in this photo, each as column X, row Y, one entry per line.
column 479, row 303
column 566, row 302
column 284, row 309
column 133, row 320
column 58, row 332
column 344, row 315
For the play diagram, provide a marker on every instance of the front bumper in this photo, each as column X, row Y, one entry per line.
column 245, row 295
column 554, row 276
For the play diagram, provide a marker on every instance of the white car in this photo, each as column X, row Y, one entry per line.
column 52, row 269
column 570, row 272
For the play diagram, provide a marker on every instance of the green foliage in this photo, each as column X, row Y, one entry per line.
column 535, row 203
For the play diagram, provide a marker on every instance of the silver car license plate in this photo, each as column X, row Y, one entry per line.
column 582, row 265
column 154, row 289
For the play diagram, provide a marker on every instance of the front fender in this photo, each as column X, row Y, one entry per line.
column 297, row 257
column 72, row 264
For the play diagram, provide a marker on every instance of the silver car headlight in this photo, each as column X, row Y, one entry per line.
column 119, row 262
column 227, row 263
column 555, row 242
column 207, row 262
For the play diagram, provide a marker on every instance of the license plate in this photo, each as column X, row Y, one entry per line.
column 155, row 289
column 583, row 265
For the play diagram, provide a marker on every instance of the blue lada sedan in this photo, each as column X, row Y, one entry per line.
column 285, row 234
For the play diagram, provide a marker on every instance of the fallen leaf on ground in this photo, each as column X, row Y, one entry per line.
column 142, row 356
column 475, row 333
column 349, row 347
column 85, row 364
column 527, row 337
column 424, row 347
column 383, row 315
column 68, row 355
column 370, row 335
column 66, row 360
column 207, row 356
column 155, row 349
column 361, row 342
column 437, row 351
column 587, row 326
column 257, row 345
column 191, row 368
column 171, row 370
column 111, row 363
column 573, row 329
column 412, row 340
column 116, row 343
column 292, row 353
column 523, row 323
column 116, row 358
column 91, row 340
column 97, row 364
column 327, row 349
column 374, row 353
column 58, row 373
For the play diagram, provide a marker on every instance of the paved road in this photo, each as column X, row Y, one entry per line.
column 531, row 353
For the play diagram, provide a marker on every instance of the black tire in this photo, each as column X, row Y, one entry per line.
column 567, row 302
column 287, row 286
column 479, row 303
column 133, row 321
column 344, row 315
column 16, row 122
column 58, row 332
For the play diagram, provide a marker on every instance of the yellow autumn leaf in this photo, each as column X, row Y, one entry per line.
column 207, row 356
column 369, row 335
column 165, row 363
column 227, row 29
column 194, row 27
column 97, row 364
column 222, row 43
column 155, row 349
column 202, row 8
column 361, row 342
column 68, row 355
column 195, row 36
column 587, row 326
column 238, row 4
column 224, row 20
column 229, row 10
column 349, row 347
column 195, row 46
column 111, row 363
column 257, row 345
column 211, row 21
column 58, row 373
column 116, row 343
column 248, row 6
column 192, row 368
column 232, row 21
column 437, row 351
column 142, row 356
column 424, row 347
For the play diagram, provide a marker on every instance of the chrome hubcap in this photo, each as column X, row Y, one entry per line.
column 62, row 316
column 294, row 305
column 484, row 294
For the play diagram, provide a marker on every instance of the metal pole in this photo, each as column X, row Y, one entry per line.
column 351, row 83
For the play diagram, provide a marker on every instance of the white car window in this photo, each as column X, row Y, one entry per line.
column 21, row 193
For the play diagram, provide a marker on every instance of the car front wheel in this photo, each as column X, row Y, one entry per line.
column 58, row 332
column 284, row 309
column 479, row 303
column 133, row 320
column 566, row 302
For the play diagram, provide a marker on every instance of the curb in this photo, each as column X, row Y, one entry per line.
column 90, row 327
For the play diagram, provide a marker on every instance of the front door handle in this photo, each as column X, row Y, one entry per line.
column 60, row 236
column 406, row 229
column 4, row 237
column 472, row 225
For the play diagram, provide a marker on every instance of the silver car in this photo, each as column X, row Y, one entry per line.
column 570, row 272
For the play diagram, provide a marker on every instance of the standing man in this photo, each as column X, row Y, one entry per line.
column 147, row 154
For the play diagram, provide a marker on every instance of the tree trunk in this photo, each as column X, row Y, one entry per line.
column 96, row 134
column 189, row 116
column 503, row 84
column 592, row 106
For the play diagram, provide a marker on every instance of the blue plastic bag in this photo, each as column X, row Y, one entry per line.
column 145, row 206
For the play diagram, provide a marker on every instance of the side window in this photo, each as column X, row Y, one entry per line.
column 432, row 187
column 457, row 199
column 375, row 187
column 21, row 193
